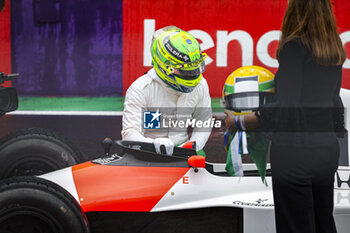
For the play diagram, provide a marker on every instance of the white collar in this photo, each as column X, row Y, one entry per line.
column 156, row 78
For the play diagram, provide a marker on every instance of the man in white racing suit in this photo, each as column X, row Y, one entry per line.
column 175, row 83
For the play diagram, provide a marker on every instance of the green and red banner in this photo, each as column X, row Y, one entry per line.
column 233, row 33
column 98, row 48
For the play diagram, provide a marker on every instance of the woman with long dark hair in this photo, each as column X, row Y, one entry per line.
column 305, row 118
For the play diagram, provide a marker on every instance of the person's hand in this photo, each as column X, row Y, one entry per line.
column 230, row 121
column 245, row 122
column 166, row 142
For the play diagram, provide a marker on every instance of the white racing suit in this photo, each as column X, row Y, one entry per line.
column 149, row 91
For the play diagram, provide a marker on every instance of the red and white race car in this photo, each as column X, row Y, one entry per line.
column 138, row 190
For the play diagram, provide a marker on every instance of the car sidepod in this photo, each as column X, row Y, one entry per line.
column 112, row 191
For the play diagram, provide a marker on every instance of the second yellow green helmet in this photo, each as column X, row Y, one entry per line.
column 247, row 88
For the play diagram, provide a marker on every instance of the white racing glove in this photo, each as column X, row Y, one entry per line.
column 166, row 142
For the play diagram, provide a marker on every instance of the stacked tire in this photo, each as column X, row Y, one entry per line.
column 34, row 205
column 35, row 151
column 30, row 204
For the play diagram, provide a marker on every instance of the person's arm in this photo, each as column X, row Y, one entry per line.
column 135, row 100
column 290, row 74
column 132, row 116
column 338, row 117
column 203, row 113
column 338, row 113
column 251, row 121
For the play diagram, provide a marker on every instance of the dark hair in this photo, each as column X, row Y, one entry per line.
column 313, row 22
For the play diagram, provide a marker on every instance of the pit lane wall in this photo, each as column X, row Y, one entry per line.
column 98, row 48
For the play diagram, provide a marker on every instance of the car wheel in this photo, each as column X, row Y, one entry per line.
column 35, row 151
column 35, row 205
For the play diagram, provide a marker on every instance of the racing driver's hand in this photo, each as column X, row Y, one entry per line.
column 166, row 142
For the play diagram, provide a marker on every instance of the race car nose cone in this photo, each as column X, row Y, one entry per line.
column 197, row 161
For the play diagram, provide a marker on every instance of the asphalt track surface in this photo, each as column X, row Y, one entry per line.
column 87, row 132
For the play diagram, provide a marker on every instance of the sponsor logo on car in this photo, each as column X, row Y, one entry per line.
column 261, row 200
column 342, row 198
column 257, row 203
column 107, row 160
column 342, row 179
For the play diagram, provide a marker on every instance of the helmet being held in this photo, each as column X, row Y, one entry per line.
column 247, row 88
column 177, row 58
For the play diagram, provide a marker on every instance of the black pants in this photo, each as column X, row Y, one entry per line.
column 302, row 181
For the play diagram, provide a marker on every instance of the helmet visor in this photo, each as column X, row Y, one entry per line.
column 190, row 70
column 190, row 73
column 247, row 101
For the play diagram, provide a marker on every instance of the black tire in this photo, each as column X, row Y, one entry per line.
column 35, row 151
column 35, row 205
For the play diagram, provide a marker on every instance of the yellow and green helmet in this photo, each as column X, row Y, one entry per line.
column 247, row 88
column 177, row 58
